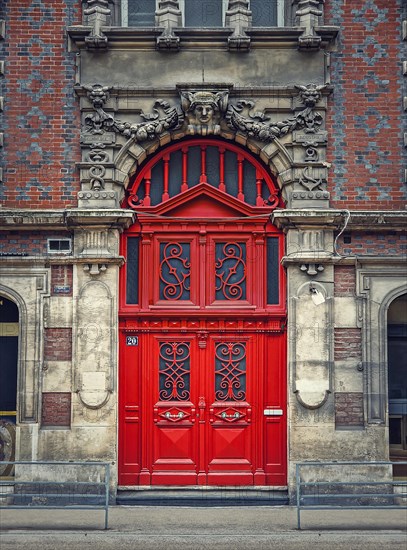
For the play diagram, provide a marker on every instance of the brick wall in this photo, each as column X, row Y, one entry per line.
column 365, row 113
column 344, row 280
column 30, row 243
column 349, row 409
column 41, row 115
column 58, row 344
column 348, row 343
column 56, row 409
column 373, row 244
column 61, row 280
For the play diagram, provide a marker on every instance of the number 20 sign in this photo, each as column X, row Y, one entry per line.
column 131, row 340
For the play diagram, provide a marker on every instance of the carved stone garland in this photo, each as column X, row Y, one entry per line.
column 202, row 111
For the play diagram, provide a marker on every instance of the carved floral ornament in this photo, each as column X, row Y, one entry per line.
column 204, row 112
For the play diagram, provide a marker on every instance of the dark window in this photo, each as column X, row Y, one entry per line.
column 397, row 352
column 264, row 13
column 203, row 13
column 141, row 13
column 132, row 270
column 272, row 270
column 9, row 319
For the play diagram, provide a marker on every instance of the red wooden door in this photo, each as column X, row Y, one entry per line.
column 203, row 408
column 202, row 430
column 202, row 387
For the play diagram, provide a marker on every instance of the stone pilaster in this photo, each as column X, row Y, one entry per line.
column 308, row 14
column 96, row 14
column 239, row 18
column 168, row 16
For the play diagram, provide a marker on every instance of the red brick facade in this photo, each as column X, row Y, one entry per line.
column 348, row 343
column 345, row 280
column 349, row 409
column 58, row 344
column 369, row 243
column 365, row 112
column 56, row 409
column 41, row 115
column 61, row 280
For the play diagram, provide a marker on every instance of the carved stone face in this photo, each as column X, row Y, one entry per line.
column 204, row 113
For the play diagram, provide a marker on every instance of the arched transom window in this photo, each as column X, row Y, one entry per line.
column 185, row 165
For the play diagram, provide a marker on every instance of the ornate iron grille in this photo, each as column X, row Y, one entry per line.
column 230, row 371
column 230, row 269
column 175, row 271
column 174, row 370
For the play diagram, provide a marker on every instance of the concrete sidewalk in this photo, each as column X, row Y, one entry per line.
column 186, row 528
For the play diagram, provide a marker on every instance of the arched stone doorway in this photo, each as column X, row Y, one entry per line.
column 397, row 379
column 202, row 308
column 9, row 338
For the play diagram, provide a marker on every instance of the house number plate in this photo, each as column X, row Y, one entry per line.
column 131, row 340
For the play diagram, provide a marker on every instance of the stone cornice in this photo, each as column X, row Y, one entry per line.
column 376, row 220
column 26, row 219
column 351, row 259
column 190, row 37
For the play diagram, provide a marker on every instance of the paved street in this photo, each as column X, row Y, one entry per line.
column 184, row 528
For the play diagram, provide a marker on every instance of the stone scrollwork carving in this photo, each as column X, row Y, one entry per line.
column 257, row 125
column 309, row 182
column 203, row 110
column 154, row 125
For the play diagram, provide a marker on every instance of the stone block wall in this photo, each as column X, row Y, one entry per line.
column 365, row 112
column 40, row 117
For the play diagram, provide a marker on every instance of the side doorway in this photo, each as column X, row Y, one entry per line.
column 397, row 382
column 9, row 336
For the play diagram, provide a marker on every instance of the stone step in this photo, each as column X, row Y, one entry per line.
column 203, row 496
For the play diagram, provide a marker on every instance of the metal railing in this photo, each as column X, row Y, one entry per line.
column 57, row 485
column 356, row 489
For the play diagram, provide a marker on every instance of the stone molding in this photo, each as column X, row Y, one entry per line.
column 192, row 38
column 360, row 219
column 12, row 219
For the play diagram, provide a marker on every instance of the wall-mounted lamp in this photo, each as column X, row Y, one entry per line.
column 317, row 297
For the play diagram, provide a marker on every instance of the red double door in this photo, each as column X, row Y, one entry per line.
column 202, row 372
column 203, row 407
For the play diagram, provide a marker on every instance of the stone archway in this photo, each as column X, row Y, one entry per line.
column 397, row 379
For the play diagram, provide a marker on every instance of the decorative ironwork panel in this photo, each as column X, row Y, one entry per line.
column 230, row 371
column 230, row 270
column 174, row 369
column 175, row 271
